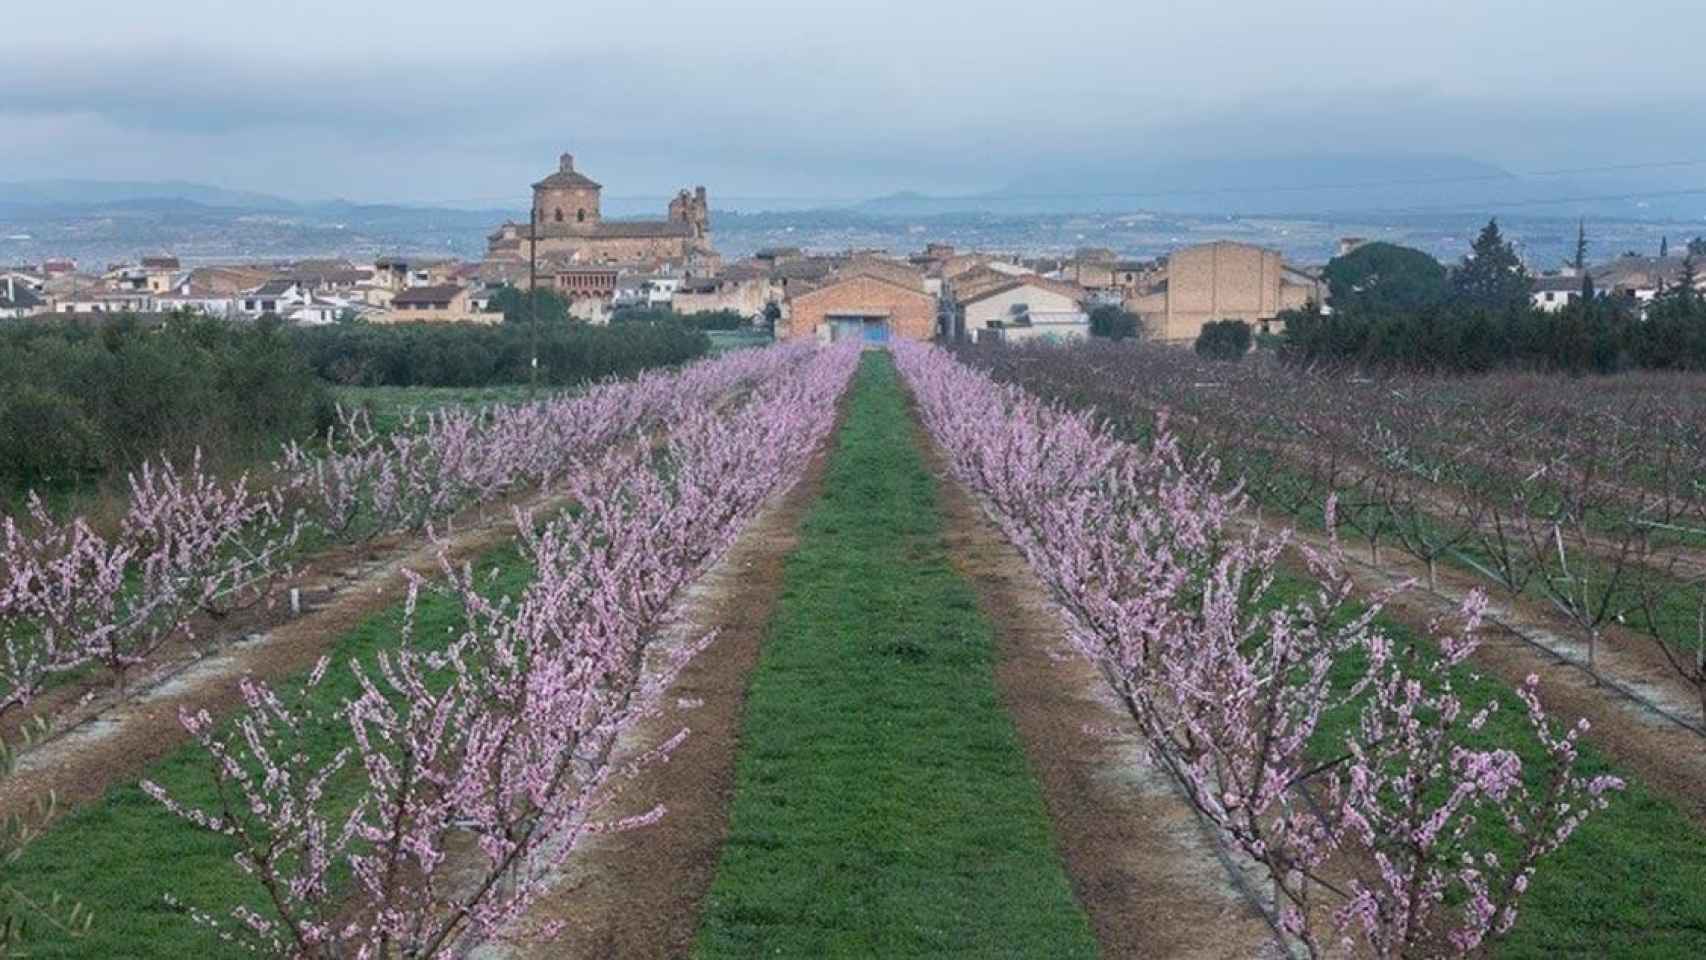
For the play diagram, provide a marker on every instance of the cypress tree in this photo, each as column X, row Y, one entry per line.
column 1582, row 260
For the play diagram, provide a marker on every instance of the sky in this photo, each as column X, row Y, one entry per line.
column 443, row 101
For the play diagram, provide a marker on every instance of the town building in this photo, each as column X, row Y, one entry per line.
column 95, row 300
column 1554, row 293
column 567, row 221
column 1025, row 308
column 19, row 299
column 401, row 273
column 577, row 282
column 742, row 289
column 1225, row 280
column 192, row 298
column 867, row 299
column 276, row 297
column 441, row 304
column 1642, row 279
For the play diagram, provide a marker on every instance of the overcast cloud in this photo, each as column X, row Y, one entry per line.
column 436, row 101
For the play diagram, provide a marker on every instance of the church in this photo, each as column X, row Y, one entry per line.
column 568, row 227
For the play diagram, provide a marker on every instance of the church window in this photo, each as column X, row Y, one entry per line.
column 580, row 216
column 559, row 214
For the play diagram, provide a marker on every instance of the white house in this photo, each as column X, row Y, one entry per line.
column 104, row 301
column 277, row 297
column 317, row 312
column 1027, row 308
column 1554, row 293
column 198, row 299
column 18, row 300
column 646, row 289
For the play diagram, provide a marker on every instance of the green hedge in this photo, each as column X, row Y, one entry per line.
column 80, row 400
column 1605, row 335
column 460, row 355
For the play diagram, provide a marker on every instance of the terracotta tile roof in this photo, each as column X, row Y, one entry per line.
column 1041, row 283
column 854, row 277
column 973, row 282
column 273, row 288
column 899, row 274
column 440, row 294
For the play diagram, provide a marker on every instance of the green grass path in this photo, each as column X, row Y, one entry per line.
column 883, row 806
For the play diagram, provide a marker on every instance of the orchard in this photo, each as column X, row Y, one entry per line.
column 810, row 651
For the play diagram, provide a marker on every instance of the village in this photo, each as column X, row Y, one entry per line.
column 601, row 267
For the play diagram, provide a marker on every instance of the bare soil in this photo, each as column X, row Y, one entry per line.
column 638, row 894
column 1154, row 880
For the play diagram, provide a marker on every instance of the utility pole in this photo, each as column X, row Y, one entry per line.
column 533, row 298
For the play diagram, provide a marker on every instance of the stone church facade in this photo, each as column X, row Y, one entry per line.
column 568, row 226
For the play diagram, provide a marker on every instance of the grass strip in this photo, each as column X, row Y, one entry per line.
column 122, row 856
column 883, row 805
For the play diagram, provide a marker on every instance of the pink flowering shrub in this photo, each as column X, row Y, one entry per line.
column 1231, row 684
column 190, row 543
column 479, row 765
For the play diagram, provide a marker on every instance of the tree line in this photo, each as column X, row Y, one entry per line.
column 1394, row 307
column 83, row 400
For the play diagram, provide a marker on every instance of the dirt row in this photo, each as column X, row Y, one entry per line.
column 638, row 893
column 1155, row 880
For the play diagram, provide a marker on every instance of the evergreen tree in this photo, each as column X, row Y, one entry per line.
column 1582, row 260
column 1492, row 277
column 1685, row 291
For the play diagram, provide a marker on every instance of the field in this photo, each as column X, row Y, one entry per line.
column 800, row 651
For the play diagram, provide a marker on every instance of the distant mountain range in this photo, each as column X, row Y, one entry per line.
column 1144, row 206
column 66, row 193
column 1322, row 185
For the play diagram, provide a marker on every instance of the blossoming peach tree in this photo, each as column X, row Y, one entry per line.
column 1381, row 834
column 478, row 765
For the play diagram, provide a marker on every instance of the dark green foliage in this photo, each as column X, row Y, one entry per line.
column 1378, row 277
column 1492, row 277
column 1598, row 335
column 546, row 305
column 81, row 400
column 461, row 355
column 644, row 315
column 724, row 320
column 883, row 806
column 1112, row 321
column 1224, row 340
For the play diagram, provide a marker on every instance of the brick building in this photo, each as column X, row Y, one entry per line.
column 868, row 299
column 444, row 304
column 568, row 223
column 1220, row 281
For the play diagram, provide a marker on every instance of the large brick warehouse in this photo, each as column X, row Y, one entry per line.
column 869, row 300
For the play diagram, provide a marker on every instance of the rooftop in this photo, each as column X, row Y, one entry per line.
column 567, row 178
column 439, row 294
